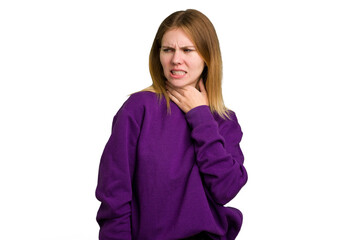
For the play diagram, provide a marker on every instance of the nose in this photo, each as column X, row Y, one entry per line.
column 176, row 58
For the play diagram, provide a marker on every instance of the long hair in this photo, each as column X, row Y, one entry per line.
column 202, row 33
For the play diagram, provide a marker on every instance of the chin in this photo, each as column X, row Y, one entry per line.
column 181, row 83
column 178, row 84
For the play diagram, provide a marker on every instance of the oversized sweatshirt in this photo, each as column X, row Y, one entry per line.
column 167, row 176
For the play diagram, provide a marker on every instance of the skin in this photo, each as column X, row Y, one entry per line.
column 182, row 67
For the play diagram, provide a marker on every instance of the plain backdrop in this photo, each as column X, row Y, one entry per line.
column 291, row 73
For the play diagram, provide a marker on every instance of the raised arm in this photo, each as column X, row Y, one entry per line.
column 218, row 153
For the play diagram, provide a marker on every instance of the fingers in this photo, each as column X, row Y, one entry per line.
column 174, row 92
column 187, row 97
column 174, row 99
column 177, row 98
column 202, row 86
column 203, row 91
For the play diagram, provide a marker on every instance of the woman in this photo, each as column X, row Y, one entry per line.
column 173, row 159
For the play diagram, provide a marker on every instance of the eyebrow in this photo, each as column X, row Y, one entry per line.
column 190, row 46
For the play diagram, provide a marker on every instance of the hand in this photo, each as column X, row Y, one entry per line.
column 188, row 97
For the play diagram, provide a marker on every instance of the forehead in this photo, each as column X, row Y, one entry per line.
column 176, row 37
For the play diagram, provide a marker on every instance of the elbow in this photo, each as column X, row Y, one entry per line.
column 225, row 191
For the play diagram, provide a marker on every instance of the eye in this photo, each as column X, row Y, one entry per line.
column 187, row 50
column 167, row 50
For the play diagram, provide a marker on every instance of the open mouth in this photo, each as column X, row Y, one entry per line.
column 178, row 73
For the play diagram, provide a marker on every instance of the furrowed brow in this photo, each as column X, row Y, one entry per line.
column 190, row 46
column 184, row 47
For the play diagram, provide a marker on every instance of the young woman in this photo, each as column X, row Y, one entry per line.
column 173, row 159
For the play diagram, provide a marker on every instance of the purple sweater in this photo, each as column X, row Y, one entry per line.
column 167, row 176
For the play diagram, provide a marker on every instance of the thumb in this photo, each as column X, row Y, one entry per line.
column 202, row 86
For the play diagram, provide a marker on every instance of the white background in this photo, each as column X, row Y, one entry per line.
column 291, row 70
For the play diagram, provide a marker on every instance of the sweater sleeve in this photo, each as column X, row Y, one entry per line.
column 114, row 189
column 218, row 153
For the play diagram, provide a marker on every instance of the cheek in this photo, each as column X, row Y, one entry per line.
column 163, row 61
column 199, row 66
column 198, row 63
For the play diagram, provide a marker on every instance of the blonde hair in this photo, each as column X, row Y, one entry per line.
column 202, row 33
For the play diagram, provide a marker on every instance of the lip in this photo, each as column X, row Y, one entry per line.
column 177, row 76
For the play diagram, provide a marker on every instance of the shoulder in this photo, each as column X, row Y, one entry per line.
column 137, row 104
column 140, row 99
column 231, row 117
column 228, row 123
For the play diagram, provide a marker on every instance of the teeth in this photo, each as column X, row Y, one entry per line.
column 178, row 72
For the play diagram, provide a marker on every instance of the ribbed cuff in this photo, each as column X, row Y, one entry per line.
column 199, row 115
